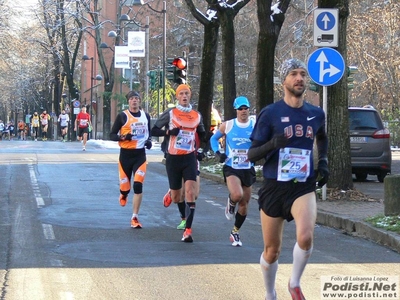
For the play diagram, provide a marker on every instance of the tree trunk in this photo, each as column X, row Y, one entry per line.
column 337, row 115
column 228, row 62
column 267, row 40
column 209, row 55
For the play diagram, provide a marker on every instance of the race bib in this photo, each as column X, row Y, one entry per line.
column 184, row 140
column 239, row 159
column 138, row 130
column 293, row 164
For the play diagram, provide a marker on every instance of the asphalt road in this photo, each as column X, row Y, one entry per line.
column 372, row 186
column 64, row 235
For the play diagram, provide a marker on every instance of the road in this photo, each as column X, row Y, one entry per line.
column 64, row 235
column 372, row 186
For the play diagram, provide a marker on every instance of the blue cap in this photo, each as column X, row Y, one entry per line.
column 241, row 101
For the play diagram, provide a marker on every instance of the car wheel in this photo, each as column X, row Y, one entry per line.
column 361, row 176
column 381, row 177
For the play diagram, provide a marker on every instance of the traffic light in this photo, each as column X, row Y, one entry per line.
column 176, row 70
column 350, row 79
column 313, row 86
column 170, row 69
column 180, row 64
column 161, row 79
column 153, row 79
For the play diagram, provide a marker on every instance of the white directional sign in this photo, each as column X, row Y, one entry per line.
column 326, row 27
column 325, row 66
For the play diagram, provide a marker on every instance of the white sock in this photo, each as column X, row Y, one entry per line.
column 269, row 275
column 300, row 259
column 134, row 216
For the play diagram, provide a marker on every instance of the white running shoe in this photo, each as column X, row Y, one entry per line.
column 235, row 239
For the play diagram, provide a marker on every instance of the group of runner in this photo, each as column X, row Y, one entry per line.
column 283, row 136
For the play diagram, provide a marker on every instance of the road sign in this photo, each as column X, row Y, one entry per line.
column 76, row 103
column 326, row 27
column 325, row 66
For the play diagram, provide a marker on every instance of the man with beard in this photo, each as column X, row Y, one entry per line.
column 284, row 135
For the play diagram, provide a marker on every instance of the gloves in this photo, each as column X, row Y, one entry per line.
column 173, row 131
column 127, row 137
column 222, row 156
column 200, row 154
column 323, row 172
column 279, row 141
column 148, row 144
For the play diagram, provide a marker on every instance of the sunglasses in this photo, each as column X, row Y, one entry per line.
column 243, row 108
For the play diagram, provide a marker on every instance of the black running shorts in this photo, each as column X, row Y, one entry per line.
column 82, row 130
column 276, row 198
column 247, row 176
column 180, row 167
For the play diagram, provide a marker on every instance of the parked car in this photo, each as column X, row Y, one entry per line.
column 369, row 144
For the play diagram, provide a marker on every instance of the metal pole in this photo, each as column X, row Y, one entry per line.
column 325, row 108
column 91, row 93
column 164, row 11
column 147, row 62
column 131, row 83
column 158, row 92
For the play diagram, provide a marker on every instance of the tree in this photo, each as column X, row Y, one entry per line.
column 337, row 115
column 270, row 20
column 210, row 46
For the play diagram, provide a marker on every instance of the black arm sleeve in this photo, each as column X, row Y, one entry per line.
column 322, row 143
column 163, row 121
column 259, row 150
column 120, row 120
column 148, row 124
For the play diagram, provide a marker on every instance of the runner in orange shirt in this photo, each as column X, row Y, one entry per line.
column 132, row 131
column 182, row 123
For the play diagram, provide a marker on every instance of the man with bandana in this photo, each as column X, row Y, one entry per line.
column 182, row 123
column 284, row 135
column 132, row 131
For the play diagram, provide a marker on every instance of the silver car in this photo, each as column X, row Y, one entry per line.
column 369, row 144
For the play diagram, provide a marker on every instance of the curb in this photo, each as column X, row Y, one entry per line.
column 349, row 226
column 360, row 229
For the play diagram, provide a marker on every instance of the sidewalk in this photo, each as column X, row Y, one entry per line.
column 345, row 215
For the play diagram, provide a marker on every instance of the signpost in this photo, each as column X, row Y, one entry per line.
column 326, row 27
column 326, row 67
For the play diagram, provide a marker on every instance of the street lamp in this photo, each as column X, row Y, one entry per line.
column 126, row 19
column 92, row 78
column 121, row 34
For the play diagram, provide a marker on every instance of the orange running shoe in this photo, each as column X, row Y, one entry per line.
column 187, row 236
column 135, row 223
column 167, row 200
column 123, row 199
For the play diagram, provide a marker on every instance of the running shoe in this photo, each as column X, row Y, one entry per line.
column 187, row 236
column 235, row 239
column 123, row 199
column 83, row 149
column 229, row 210
column 167, row 200
column 296, row 293
column 135, row 223
column 182, row 225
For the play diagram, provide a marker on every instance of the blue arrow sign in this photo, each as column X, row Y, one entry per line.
column 325, row 66
column 326, row 21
